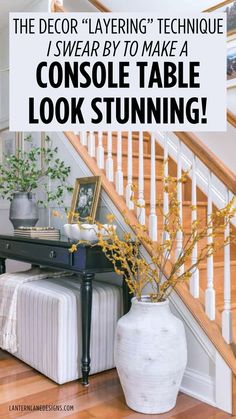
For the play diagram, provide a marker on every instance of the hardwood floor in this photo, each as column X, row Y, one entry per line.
column 20, row 385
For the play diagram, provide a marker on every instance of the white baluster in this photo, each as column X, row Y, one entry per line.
column 109, row 160
column 210, row 292
column 128, row 191
column 194, row 280
column 141, row 202
column 153, row 215
column 91, row 144
column 119, row 172
column 100, row 151
column 179, row 235
column 166, row 194
column 83, row 137
column 226, row 314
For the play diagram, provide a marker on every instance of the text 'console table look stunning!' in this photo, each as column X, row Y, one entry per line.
column 86, row 262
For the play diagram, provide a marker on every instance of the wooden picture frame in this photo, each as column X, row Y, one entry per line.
column 85, row 199
column 228, row 6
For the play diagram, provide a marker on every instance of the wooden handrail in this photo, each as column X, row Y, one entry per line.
column 214, row 164
column 231, row 118
column 57, row 7
column 99, row 6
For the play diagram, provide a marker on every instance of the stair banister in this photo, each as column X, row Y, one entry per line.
column 165, row 193
column 100, row 6
column 210, row 291
column 119, row 171
column 57, row 7
column 179, row 237
column 209, row 159
column 227, row 314
column 109, row 160
column 83, row 137
column 100, row 151
column 129, row 202
column 141, row 201
column 153, row 229
column 194, row 281
column 91, row 144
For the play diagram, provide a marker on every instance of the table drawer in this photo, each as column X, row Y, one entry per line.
column 36, row 252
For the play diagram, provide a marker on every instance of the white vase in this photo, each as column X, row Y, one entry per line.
column 150, row 356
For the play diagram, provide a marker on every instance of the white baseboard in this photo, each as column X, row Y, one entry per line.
column 199, row 386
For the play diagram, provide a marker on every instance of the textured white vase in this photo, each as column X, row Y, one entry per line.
column 150, row 356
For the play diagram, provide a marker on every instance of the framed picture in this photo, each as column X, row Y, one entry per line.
column 9, row 144
column 231, row 63
column 229, row 7
column 85, row 198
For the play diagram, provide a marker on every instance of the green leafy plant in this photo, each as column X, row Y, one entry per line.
column 23, row 172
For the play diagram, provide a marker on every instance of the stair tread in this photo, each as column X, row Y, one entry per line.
column 135, row 154
column 186, row 203
column 147, row 177
column 217, row 264
column 135, row 135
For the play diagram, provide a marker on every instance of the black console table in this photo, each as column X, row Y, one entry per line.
column 86, row 262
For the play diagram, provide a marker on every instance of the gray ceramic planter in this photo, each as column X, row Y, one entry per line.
column 24, row 210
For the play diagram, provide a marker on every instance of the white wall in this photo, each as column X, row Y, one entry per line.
column 4, row 78
column 78, row 6
column 223, row 144
column 159, row 6
column 231, row 99
column 35, row 6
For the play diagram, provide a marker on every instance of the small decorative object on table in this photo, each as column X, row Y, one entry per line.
column 85, row 199
column 150, row 346
column 22, row 174
column 84, row 232
column 47, row 233
column 83, row 210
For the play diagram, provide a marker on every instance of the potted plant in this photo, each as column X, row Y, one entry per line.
column 22, row 176
column 150, row 344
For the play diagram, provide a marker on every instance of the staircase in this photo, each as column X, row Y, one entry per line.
column 127, row 159
column 123, row 159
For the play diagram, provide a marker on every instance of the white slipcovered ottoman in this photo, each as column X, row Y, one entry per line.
column 49, row 326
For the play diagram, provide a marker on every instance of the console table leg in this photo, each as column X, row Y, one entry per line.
column 86, row 308
column 2, row 266
column 126, row 297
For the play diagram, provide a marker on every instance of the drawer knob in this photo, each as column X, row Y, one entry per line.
column 8, row 246
column 52, row 254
